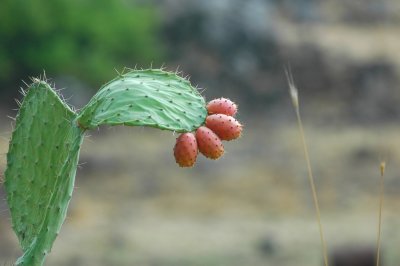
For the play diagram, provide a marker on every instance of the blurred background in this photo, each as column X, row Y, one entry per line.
column 134, row 206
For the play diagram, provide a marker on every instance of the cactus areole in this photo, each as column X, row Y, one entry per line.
column 44, row 147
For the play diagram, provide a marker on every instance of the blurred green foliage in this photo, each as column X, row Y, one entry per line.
column 83, row 38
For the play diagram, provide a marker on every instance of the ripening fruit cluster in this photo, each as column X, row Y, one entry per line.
column 220, row 125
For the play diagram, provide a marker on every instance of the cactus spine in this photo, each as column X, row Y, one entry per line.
column 44, row 147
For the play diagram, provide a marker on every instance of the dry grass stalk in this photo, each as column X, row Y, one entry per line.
column 295, row 101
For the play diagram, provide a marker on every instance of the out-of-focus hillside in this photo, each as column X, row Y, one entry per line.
column 344, row 54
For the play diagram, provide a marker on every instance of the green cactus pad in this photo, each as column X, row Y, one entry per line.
column 41, row 166
column 150, row 97
column 44, row 147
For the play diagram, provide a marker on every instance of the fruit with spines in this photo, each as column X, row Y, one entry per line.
column 222, row 106
column 226, row 127
column 210, row 145
column 185, row 150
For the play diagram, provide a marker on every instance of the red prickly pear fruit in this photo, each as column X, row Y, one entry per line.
column 209, row 143
column 185, row 150
column 225, row 126
column 222, row 106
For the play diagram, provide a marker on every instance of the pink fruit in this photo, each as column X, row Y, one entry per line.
column 185, row 150
column 222, row 106
column 225, row 126
column 209, row 143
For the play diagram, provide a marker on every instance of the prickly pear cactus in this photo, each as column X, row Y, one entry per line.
column 44, row 148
